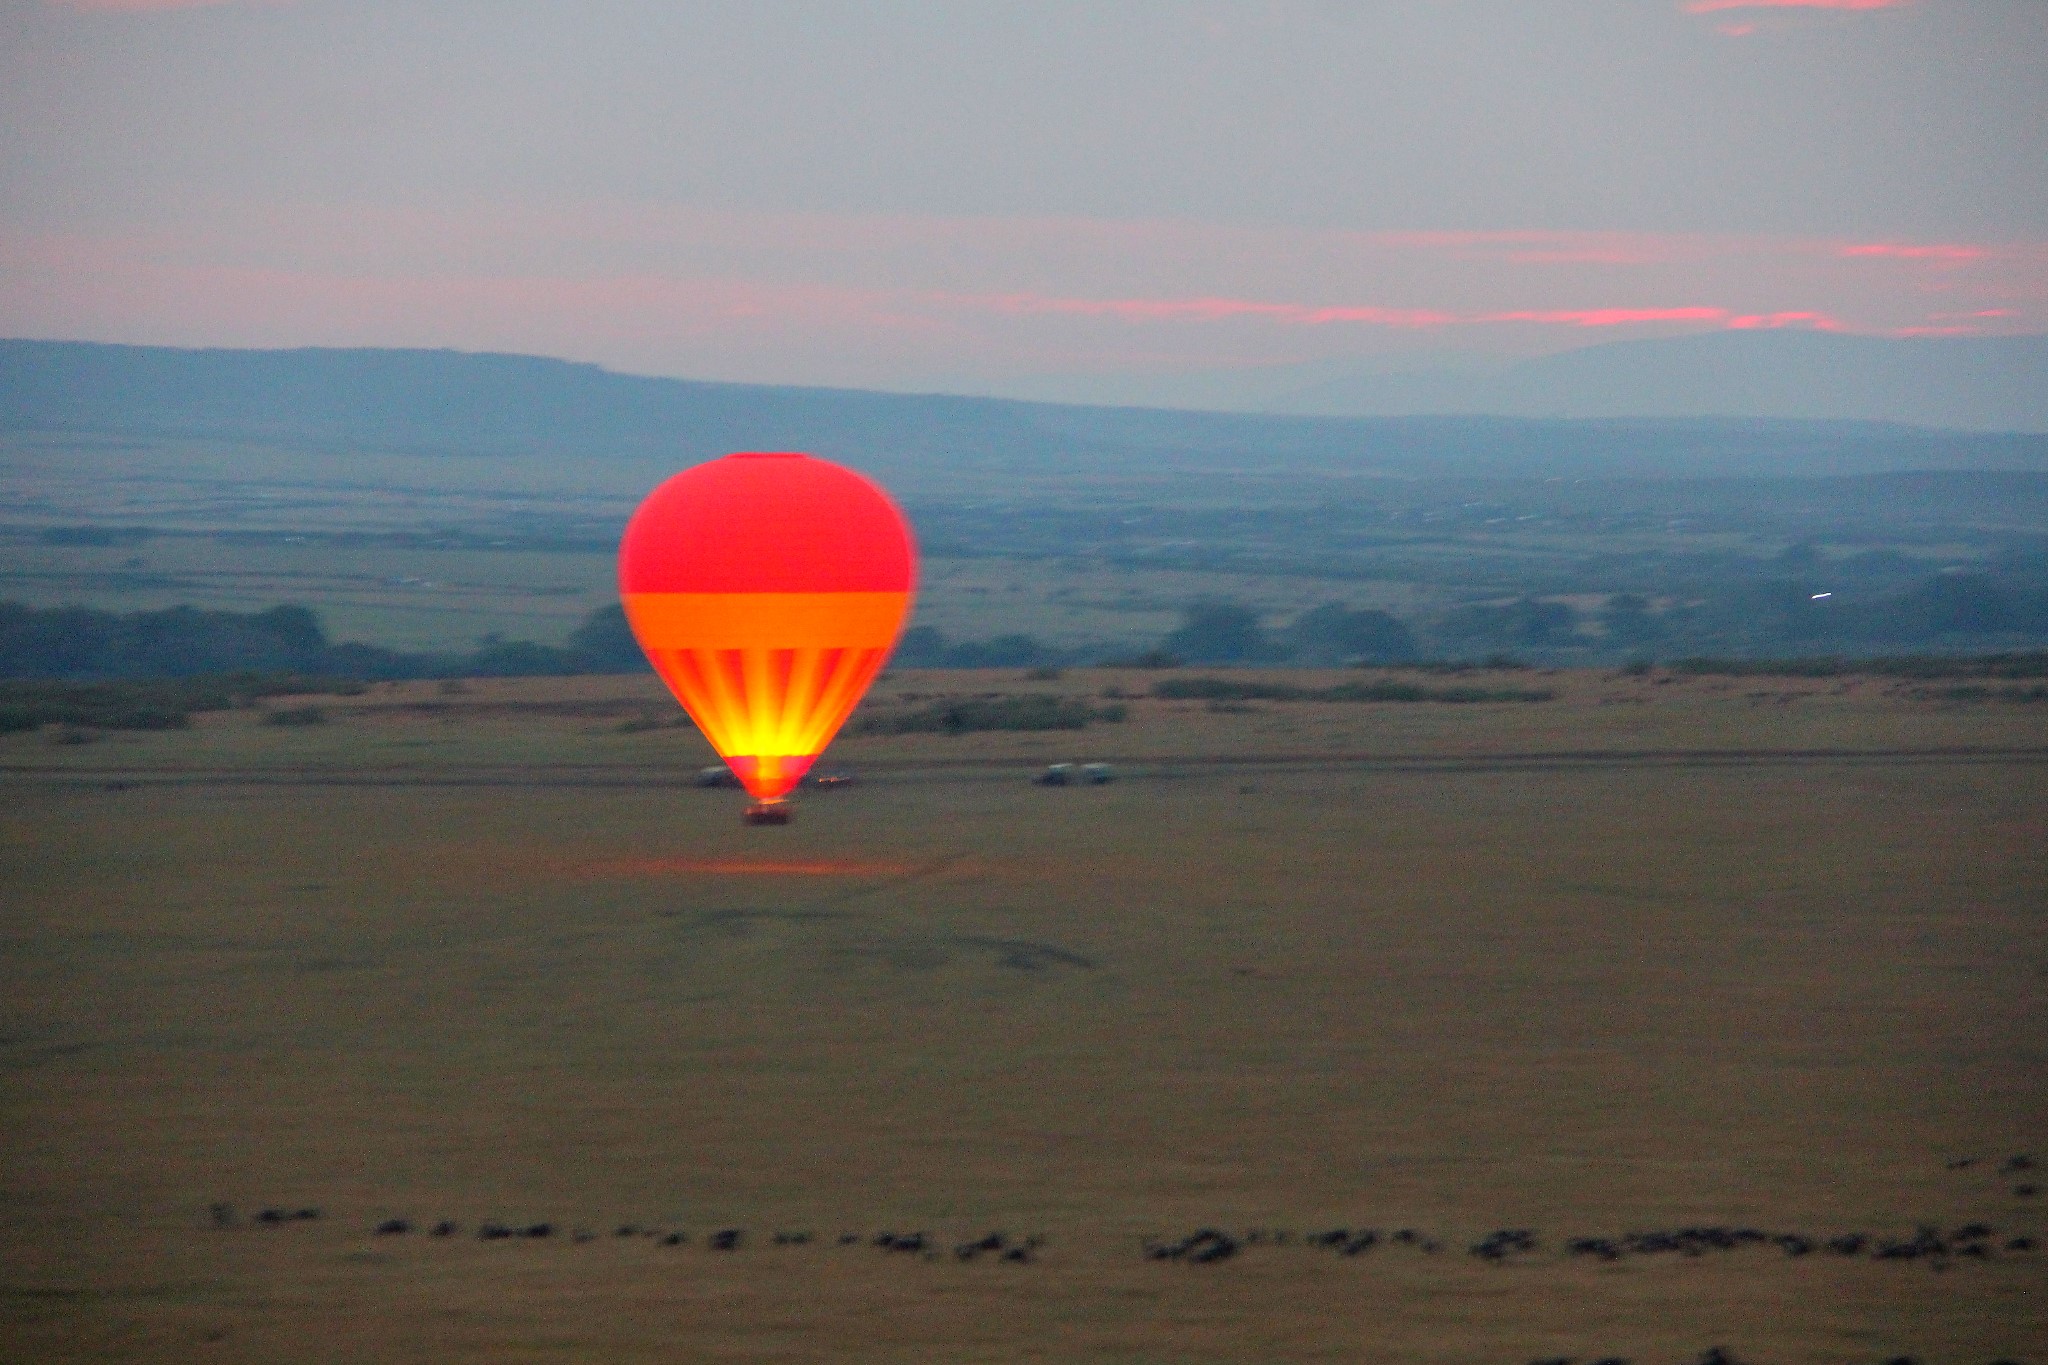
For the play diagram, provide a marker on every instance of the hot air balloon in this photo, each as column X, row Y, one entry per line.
column 767, row 589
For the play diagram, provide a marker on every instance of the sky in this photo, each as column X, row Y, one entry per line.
column 1036, row 199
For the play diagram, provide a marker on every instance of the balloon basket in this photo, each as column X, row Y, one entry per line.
column 767, row 813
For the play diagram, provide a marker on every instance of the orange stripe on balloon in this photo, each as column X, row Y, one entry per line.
column 766, row 620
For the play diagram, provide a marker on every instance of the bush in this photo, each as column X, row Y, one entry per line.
column 1924, row 666
column 143, row 704
column 294, row 716
column 1226, row 689
column 1979, row 692
column 1151, row 658
column 959, row 716
column 1465, row 695
column 1378, row 690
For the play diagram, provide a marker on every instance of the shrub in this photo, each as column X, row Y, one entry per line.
column 1979, row 692
column 1378, row 690
column 1226, row 689
column 959, row 716
column 141, row 704
column 296, row 716
column 2033, row 664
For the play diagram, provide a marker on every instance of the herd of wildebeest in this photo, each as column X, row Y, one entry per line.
column 1934, row 1247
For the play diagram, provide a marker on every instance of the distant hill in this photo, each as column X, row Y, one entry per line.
column 1964, row 383
column 446, row 402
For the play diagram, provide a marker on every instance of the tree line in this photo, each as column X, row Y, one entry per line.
column 1778, row 618
column 181, row 642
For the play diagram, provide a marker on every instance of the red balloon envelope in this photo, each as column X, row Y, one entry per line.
column 767, row 589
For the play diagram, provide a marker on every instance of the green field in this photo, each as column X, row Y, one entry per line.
column 1661, row 953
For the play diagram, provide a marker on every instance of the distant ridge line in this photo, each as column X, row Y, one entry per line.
column 435, row 403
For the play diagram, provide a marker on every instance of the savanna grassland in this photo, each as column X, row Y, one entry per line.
column 1661, row 953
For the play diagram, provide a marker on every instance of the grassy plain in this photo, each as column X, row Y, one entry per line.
column 1657, row 953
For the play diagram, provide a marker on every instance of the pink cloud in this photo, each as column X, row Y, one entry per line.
column 1715, row 6
column 1209, row 309
column 1946, row 253
column 1202, row 310
column 1750, row 322
column 1607, row 317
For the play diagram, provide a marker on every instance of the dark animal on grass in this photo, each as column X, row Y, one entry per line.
column 967, row 1251
column 223, row 1215
column 493, row 1232
column 727, row 1239
column 1205, row 1246
column 674, row 1239
column 393, row 1227
column 445, row 1228
column 540, row 1230
column 1927, row 1242
column 1499, row 1245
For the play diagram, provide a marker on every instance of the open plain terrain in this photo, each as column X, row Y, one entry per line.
column 1664, row 953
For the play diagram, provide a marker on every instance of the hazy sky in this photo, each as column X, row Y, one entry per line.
column 998, row 197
